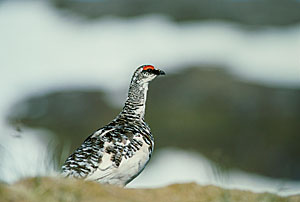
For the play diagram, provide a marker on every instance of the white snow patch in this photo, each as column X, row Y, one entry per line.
column 25, row 154
column 178, row 166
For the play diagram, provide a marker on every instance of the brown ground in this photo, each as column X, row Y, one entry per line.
column 55, row 189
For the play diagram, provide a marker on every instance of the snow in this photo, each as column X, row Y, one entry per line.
column 178, row 166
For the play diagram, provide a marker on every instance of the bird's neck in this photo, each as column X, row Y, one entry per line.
column 135, row 104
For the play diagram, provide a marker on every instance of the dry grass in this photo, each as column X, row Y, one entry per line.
column 57, row 189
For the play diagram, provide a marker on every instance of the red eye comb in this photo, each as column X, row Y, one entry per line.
column 146, row 67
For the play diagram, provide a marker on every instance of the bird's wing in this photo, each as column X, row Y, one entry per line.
column 102, row 152
column 86, row 159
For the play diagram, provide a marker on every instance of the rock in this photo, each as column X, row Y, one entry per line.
column 267, row 12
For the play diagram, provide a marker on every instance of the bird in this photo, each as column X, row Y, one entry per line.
column 118, row 152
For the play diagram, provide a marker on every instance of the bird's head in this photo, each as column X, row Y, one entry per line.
column 146, row 73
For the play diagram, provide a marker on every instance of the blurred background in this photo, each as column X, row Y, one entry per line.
column 227, row 113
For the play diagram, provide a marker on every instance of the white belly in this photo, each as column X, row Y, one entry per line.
column 128, row 168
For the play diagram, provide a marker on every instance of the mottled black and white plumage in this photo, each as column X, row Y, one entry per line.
column 118, row 152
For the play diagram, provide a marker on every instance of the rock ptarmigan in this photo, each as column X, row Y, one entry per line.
column 119, row 151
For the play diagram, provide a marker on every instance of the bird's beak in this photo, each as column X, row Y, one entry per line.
column 159, row 72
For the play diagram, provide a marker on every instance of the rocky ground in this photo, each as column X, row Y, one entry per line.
column 56, row 189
